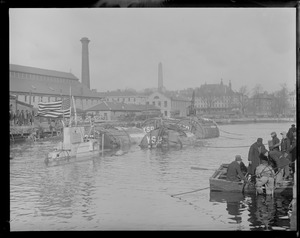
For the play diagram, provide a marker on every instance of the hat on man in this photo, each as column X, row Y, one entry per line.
column 238, row 158
column 283, row 133
column 259, row 140
column 293, row 125
column 273, row 133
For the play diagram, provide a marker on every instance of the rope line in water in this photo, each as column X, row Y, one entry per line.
column 230, row 132
column 231, row 138
column 224, row 147
column 189, row 192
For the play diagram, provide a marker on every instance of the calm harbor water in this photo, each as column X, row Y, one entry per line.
column 133, row 191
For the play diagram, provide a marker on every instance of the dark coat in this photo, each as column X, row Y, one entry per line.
column 279, row 159
column 275, row 141
column 290, row 133
column 285, row 145
column 234, row 172
column 293, row 149
column 253, row 156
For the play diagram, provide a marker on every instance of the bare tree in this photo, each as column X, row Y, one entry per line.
column 280, row 103
column 242, row 98
column 210, row 100
column 256, row 99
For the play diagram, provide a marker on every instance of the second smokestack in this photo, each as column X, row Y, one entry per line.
column 160, row 77
column 85, row 68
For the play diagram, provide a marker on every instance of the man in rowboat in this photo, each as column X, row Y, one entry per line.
column 234, row 172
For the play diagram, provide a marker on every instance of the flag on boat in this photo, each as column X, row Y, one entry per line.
column 56, row 109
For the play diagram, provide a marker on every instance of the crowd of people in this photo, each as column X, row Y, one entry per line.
column 21, row 117
column 268, row 168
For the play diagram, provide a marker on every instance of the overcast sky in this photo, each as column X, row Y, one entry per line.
column 248, row 46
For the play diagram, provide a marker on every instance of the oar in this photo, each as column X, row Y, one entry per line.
column 189, row 192
column 198, row 168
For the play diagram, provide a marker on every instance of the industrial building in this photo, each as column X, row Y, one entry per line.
column 33, row 85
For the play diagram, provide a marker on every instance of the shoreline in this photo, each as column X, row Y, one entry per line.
column 253, row 120
column 29, row 128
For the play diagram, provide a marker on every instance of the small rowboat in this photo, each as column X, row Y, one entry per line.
column 218, row 182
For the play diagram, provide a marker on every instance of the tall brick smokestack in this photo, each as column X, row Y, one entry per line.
column 85, row 69
column 160, row 77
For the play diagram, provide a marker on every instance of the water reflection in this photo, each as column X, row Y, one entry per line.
column 264, row 212
column 63, row 189
column 234, row 204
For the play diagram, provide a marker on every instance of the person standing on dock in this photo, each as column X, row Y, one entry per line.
column 255, row 150
column 26, row 118
column 292, row 151
column 290, row 134
column 11, row 113
column 275, row 142
column 285, row 154
column 16, row 122
column 285, row 145
column 22, row 118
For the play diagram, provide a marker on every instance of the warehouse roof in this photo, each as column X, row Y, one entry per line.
column 49, row 87
column 39, row 71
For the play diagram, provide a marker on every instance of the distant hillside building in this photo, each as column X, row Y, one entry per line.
column 260, row 105
column 170, row 105
column 292, row 99
column 129, row 97
column 114, row 110
column 32, row 85
column 216, row 98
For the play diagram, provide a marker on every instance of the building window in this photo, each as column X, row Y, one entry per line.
column 153, row 103
column 159, row 103
column 166, row 113
column 156, row 97
column 25, row 98
column 166, row 103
